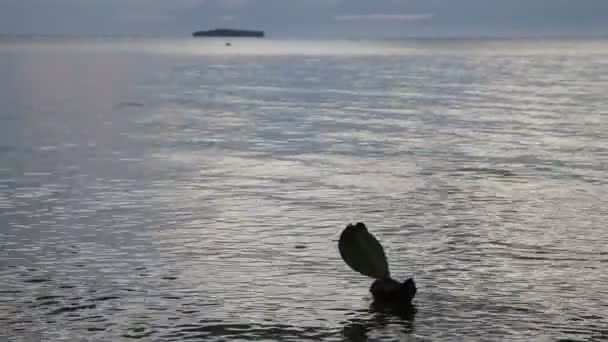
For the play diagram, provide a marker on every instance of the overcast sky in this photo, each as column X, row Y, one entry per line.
column 315, row 18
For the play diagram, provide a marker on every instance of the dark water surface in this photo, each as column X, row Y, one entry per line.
column 184, row 190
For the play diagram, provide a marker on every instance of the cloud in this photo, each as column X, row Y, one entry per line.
column 228, row 18
column 406, row 18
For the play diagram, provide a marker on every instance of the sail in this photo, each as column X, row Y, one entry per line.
column 363, row 252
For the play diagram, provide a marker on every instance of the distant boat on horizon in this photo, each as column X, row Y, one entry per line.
column 229, row 33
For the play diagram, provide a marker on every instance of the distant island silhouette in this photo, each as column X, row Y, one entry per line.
column 229, row 33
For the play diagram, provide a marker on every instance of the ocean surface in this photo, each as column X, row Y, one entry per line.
column 173, row 190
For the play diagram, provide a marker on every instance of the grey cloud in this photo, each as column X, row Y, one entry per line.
column 406, row 18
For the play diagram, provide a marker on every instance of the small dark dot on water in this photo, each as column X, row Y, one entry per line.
column 66, row 286
column 140, row 268
column 94, row 329
column 171, row 297
column 189, row 311
column 104, row 298
column 300, row 246
column 70, row 309
column 169, row 278
column 139, row 333
column 47, row 297
column 158, row 309
column 46, row 303
column 37, row 280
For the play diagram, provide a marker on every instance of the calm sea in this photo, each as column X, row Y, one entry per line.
column 170, row 190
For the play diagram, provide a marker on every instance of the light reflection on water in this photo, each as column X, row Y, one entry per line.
column 164, row 192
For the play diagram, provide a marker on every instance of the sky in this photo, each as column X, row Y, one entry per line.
column 307, row 18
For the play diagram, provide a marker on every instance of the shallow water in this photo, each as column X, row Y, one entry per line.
column 184, row 190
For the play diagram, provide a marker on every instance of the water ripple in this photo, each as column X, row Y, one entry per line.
column 201, row 198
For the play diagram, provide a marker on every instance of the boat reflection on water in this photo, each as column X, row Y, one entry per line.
column 380, row 316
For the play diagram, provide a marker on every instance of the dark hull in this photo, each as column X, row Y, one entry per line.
column 229, row 33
